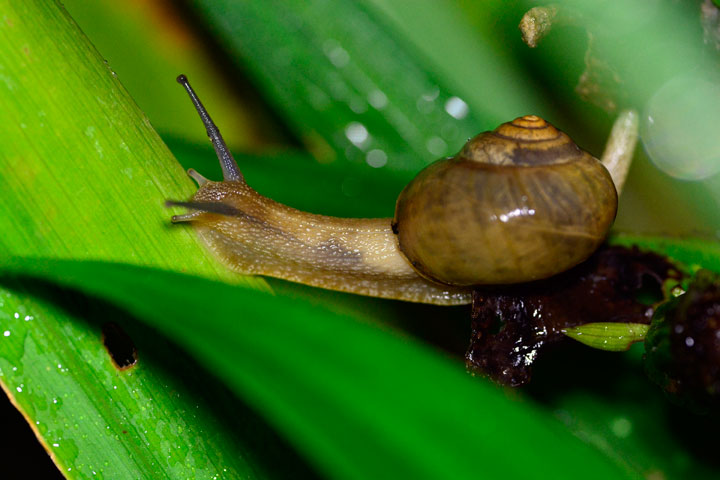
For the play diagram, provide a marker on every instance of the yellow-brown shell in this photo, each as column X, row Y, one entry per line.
column 517, row 204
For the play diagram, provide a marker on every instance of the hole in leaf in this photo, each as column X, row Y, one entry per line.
column 119, row 345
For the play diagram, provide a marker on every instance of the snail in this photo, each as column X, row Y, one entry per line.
column 517, row 204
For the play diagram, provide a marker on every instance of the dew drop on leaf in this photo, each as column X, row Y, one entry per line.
column 679, row 128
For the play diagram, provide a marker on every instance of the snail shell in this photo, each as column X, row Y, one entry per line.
column 520, row 203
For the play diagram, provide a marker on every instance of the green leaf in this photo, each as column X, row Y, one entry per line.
column 83, row 173
column 606, row 400
column 164, row 417
column 693, row 252
column 85, row 176
column 359, row 400
column 346, row 103
column 460, row 45
column 103, row 226
column 609, row 336
column 147, row 46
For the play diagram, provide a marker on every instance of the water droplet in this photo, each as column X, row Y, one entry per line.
column 6, row 333
column 357, row 133
column 337, row 55
column 377, row 99
column 450, row 131
column 436, row 146
column 337, row 87
column 431, row 94
column 621, row 427
column 376, row 158
column 357, row 105
column 456, row 107
column 689, row 341
column 424, row 105
column 679, row 128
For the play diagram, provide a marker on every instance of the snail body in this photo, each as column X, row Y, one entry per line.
column 517, row 204
column 256, row 235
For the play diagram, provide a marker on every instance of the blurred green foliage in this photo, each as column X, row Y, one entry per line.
column 346, row 100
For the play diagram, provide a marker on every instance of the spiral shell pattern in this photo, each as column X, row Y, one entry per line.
column 517, row 204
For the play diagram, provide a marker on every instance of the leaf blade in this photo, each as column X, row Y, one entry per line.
column 84, row 174
column 160, row 418
column 328, row 389
column 608, row 336
column 343, row 102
